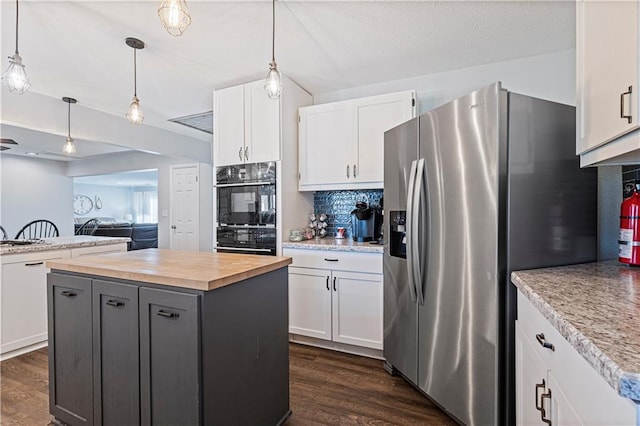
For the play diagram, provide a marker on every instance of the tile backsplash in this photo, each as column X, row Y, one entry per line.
column 630, row 174
column 338, row 205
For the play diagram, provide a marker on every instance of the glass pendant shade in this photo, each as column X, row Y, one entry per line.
column 15, row 77
column 174, row 15
column 134, row 115
column 69, row 148
column 273, row 84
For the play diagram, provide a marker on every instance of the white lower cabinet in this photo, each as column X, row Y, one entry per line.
column 23, row 296
column 23, row 299
column 555, row 385
column 329, row 303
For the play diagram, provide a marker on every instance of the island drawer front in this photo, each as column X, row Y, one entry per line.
column 336, row 260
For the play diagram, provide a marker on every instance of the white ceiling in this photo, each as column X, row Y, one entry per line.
column 77, row 48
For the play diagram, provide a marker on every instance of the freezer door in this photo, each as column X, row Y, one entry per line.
column 457, row 321
column 400, row 312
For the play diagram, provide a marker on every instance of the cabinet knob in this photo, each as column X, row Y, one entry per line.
column 347, row 170
column 328, row 288
column 240, row 154
column 354, row 171
column 67, row 293
column 334, row 284
column 173, row 227
column 246, row 153
column 543, row 412
column 539, row 386
column 34, row 264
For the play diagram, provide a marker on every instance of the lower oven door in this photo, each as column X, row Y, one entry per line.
column 248, row 240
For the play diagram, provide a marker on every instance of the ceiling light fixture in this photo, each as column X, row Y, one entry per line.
column 174, row 15
column 69, row 148
column 15, row 77
column 272, row 84
column 134, row 115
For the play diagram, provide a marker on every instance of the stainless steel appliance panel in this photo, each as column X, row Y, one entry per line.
column 458, row 321
column 400, row 312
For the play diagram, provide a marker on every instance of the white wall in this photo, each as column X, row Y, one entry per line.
column 116, row 200
column 549, row 77
column 34, row 189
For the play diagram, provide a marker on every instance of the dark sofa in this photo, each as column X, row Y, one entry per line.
column 143, row 235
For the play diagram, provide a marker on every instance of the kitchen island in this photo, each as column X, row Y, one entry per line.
column 581, row 325
column 169, row 337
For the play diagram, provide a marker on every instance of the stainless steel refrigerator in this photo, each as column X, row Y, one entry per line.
column 481, row 186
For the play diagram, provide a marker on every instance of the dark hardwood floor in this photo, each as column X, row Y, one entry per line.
column 327, row 388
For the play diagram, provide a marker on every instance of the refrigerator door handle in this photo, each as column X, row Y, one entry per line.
column 419, row 209
column 409, row 230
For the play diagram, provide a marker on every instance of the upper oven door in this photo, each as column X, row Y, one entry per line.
column 246, row 204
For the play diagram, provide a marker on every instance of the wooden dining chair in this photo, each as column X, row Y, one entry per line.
column 40, row 228
column 88, row 228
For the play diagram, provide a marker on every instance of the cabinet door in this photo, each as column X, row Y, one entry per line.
column 70, row 349
column 116, row 370
column 373, row 116
column 326, row 152
column 357, row 309
column 228, row 126
column 310, row 302
column 24, row 301
column 559, row 408
column 607, row 65
column 262, row 124
column 531, row 382
column 169, row 358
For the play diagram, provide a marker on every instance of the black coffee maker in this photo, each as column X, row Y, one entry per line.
column 366, row 222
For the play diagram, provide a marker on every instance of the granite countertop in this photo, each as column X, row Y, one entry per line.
column 596, row 308
column 187, row 269
column 58, row 243
column 334, row 244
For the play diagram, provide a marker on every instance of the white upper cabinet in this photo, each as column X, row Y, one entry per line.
column 341, row 144
column 607, row 82
column 246, row 125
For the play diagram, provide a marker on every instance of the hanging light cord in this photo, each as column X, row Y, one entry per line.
column 69, row 121
column 135, row 77
column 16, row 27
column 273, row 32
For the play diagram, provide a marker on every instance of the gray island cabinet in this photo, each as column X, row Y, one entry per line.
column 162, row 337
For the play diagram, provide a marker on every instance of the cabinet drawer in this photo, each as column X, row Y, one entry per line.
column 336, row 260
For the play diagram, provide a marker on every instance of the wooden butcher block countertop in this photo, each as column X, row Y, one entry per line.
column 187, row 269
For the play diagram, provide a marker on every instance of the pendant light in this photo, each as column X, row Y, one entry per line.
column 134, row 115
column 69, row 148
column 272, row 84
column 174, row 15
column 15, row 77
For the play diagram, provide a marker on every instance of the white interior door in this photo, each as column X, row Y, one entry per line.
column 185, row 205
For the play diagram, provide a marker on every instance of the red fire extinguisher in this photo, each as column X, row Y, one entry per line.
column 629, row 238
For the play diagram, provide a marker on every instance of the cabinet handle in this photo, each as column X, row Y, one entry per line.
column 34, row 264
column 168, row 314
column 354, row 170
column 347, row 170
column 543, row 412
column 334, row 284
column 538, row 387
column 329, row 289
column 246, row 153
column 115, row 303
column 628, row 117
column 544, row 343
column 240, row 154
column 173, row 227
column 331, row 260
column 67, row 293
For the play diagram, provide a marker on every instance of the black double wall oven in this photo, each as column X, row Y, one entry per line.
column 246, row 208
